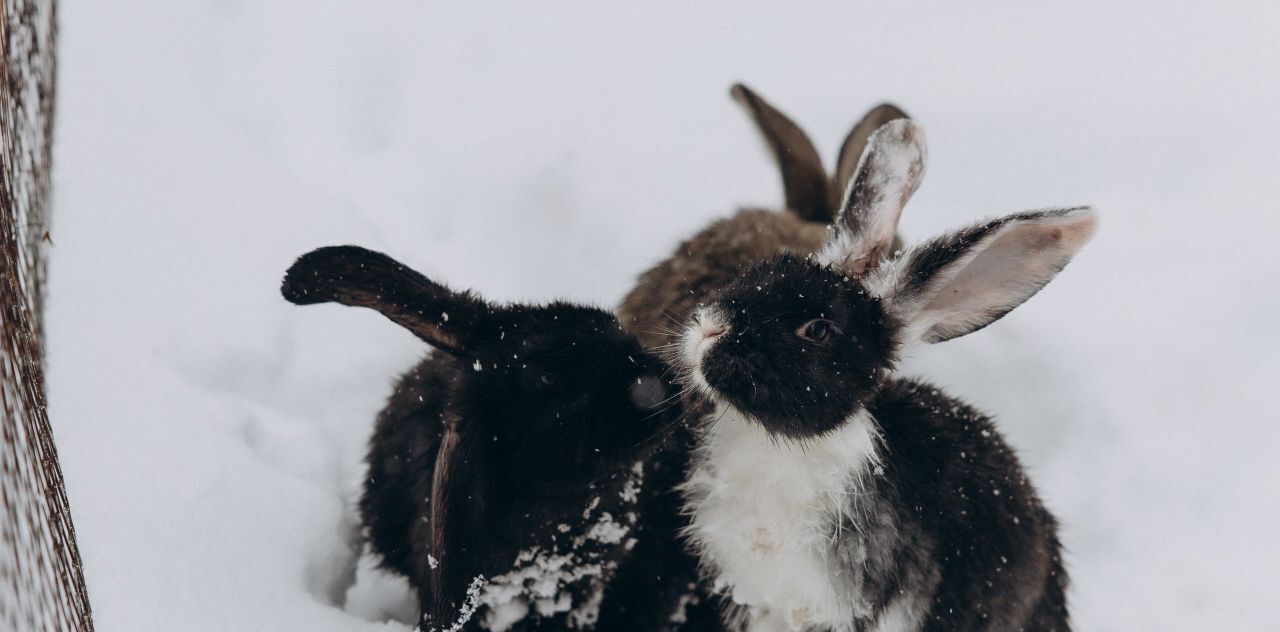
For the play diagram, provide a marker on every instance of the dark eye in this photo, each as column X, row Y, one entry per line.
column 546, row 379
column 817, row 330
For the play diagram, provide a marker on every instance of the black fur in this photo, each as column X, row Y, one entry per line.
column 951, row 479
column 757, row 366
column 950, row 515
column 941, row 525
column 659, row 587
column 532, row 437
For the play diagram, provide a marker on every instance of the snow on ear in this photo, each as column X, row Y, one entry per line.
column 963, row 281
column 887, row 174
column 354, row 276
column 856, row 143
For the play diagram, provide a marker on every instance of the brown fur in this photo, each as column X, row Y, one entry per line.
column 664, row 297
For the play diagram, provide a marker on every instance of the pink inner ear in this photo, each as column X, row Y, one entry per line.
column 1020, row 260
column 888, row 173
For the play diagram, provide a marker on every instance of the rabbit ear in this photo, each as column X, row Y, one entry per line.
column 462, row 494
column 963, row 281
column 354, row 276
column 856, row 142
column 804, row 180
column 887, row 174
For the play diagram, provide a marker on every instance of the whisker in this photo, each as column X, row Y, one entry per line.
column 677, row 321
column 662, row 431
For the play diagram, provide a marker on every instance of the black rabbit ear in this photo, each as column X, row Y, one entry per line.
column 963, row 281
column 804, row 180
column 856, row 142
column 888, row 173
column 363, row 278
column 460, row 506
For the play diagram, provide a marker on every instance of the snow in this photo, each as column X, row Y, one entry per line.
column 211, row 433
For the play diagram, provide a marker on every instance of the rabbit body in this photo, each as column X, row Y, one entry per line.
column 829, row 494
column 507, row 473
column 913, row 515
column 567, row 548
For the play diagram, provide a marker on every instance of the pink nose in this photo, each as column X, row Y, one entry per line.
column 709, row 331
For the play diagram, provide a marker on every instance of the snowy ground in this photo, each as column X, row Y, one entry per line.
column 211, row 433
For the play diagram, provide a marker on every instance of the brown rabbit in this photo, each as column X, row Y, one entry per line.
column 665, row 296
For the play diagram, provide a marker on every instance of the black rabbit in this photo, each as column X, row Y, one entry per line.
column 666, row 295
column 506, row 473
column 830, row 494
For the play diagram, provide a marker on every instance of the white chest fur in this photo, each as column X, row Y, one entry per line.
column 764, row 514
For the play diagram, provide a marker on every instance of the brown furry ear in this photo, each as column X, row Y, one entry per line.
column 363, row 278
column 804, row 179
column 462, row 484
column 856, row 142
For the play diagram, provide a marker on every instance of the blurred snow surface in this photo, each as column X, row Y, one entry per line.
column 211, row 434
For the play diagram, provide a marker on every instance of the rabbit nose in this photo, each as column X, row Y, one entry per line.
column 648, row 392
column 711, row 331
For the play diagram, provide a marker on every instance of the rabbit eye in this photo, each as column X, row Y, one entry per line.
column 817, row 330
column 546, row 379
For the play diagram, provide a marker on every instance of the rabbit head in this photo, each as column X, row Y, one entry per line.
column 545, row 400
column 718, row 254
column 800, row 344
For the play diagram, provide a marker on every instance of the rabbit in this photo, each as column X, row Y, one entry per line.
column 829, row 493
column 506, row 471
column 666, row 295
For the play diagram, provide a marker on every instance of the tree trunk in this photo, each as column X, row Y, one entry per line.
column 41, row 582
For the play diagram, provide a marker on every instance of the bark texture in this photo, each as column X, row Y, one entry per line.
column 41, row 581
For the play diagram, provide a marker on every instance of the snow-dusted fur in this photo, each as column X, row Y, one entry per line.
column 764, row 511
column 831, row 494
column 538, row 576
column 507, row 472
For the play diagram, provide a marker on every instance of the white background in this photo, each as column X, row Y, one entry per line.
column 211, row 433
